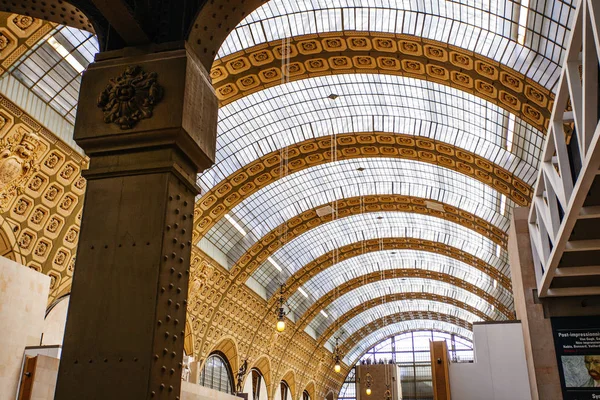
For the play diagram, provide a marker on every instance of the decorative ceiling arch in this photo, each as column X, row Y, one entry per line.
column 354, row 283
column 259, row 67
column 385, row 260
column 294, row 228
column 69, row 13
column 325, row 261
column 212, row 206
column 359, row 335
column 394, row 297
column 290, row 378
column 263, row 365
column 489, row 30
column 405, row 306
column 227, row 345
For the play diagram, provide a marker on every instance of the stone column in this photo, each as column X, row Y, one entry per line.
column 544, row 380
column 147, row 120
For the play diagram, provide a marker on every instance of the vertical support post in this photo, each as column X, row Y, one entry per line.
column 148, row 123
column 544, row 380
column 440, row 373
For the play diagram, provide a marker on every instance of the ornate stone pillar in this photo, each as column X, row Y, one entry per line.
column 147, row 120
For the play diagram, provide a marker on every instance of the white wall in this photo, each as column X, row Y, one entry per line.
column 499, row 371
column 193, row 391
column 54, row 324
column 262, row 392
column 23, row 297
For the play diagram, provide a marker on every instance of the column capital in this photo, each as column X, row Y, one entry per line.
column 140, row 102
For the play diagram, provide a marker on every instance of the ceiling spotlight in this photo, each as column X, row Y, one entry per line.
column 333, row 96
column 379, row 217
column 360, row 169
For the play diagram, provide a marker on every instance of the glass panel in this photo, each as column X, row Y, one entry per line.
column 280, row 116
column 393, row 329
column 216, row 374
column 52, row 69
column 388, row 309
column 344, row 231
column 321, row 185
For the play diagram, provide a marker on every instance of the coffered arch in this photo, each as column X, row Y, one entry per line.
column 385, row 260
column 327, row 260
column 355, row 283
column 295, row 248
column 322, row 187
column 293, row 228
column 314, row 152
column 490, row 31
column 258, row 67
column 391, row 300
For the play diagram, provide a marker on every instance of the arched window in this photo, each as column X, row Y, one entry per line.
column 285, row 391
column 257, row 383
column 305, row 395
column 217, row 374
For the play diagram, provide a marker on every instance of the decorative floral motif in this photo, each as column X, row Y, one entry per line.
column 23, row 21
column 4, row 41
column 130, row 97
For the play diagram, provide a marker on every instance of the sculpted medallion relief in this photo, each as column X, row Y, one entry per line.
column 130, row 97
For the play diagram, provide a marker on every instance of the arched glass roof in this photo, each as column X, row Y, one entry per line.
column 413, row 325
column 317, row 186
column 280, row 116
column 529, row 39
column 52, row 69
column 356, row 297
column 324, row 238
column 333, row 277
column 386, row 309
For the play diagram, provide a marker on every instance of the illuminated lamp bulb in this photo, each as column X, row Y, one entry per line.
column 337, row 368
column 280, row 325
column 368, row 391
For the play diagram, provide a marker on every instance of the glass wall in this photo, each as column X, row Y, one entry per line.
column 217, row 374
column 410, row 351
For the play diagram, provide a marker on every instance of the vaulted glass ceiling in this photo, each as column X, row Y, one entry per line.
column 315, row 187
column 356, row 228
column 524, row 35
column 283, row 115
column 528, row 36
column 399, row 327
column 328, row 280
column 52, row 69
column 359, row 296
column 403, row 306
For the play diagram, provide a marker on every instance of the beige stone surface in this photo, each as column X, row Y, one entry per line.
column 44, row 381
column 537, row 330
column 192, row 391
column 54, row 324
column 23, row 297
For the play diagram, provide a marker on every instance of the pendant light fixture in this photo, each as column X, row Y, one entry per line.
column 281, row 313
column 336, row 357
